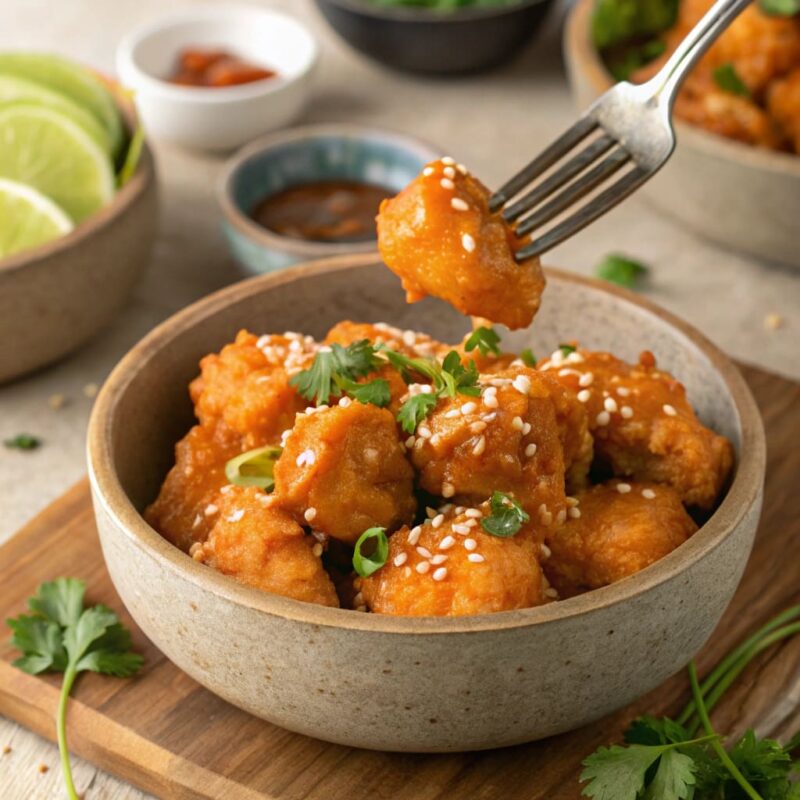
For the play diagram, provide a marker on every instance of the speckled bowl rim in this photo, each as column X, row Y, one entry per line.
column 274, row 241
column 123, row 199
column 579, row 51
column 424, row 16
column 742, row 494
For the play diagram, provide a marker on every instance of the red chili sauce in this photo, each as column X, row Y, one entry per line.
column 324, row 211
column 214, row 69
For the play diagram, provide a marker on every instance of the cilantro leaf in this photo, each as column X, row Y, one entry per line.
column 485, row 339
column 780, row 8
column 376, row 392
column 416, row 409
column 652, row 731
column 727, row 78
column 507, row 516
column 318, row 382
column 674, row 779
column 459, row 379
column 528, row 358
column 618, row 773
column 761, row 759
column 621, row 270
column 567, row 349
column 62, row 636
column 22, row 441
column 619, row 21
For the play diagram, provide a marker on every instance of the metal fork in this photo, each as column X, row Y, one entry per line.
column 634, row 132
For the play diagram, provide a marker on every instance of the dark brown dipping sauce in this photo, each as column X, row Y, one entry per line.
column 325, row 211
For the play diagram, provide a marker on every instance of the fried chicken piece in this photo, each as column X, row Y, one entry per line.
column 343, row 470
column 615, row 530
column 440, row 238
column 453, row 570
column 514, row 438
column 192, row 486
column 260, row 545
column 783, row 103
column 643, row 425
column 246, row 385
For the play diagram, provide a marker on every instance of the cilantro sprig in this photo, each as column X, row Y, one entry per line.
column 485, row 339
column 22, row 441
column 63, row 636
column 507, row 516
column 665, row 759
column 728, row 79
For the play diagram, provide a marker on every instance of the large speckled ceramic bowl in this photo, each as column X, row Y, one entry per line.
column 413, row 684
column 742, row 197
column 306, row 155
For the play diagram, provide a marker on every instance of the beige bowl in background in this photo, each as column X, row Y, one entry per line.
column 54, row 298
column 413, row 684
column 746, row 198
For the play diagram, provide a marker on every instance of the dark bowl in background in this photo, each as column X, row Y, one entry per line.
column 421, row 40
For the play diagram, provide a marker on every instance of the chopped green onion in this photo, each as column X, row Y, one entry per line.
column 254, row 468
column 364, row 564
column 528, row 357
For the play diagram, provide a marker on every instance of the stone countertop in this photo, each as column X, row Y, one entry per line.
column 492, row 122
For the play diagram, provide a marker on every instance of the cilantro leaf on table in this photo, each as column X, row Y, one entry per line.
column 22, row 441
column 674, row 779
column 618, row 773
column 621, row 270
column 416, row 409
column 63, row 636
column 485, row 339
column 507, row 516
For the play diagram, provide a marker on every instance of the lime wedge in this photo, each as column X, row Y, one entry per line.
column 13, row 88
column 73, row 80
column 29, row 218
column 48, row 151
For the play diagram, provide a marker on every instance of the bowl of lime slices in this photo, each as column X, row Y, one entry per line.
column 78, row 207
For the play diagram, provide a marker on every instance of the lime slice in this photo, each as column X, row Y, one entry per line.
column 29, row 218
column 73, row 80
column 48, row 151
column 13, row 88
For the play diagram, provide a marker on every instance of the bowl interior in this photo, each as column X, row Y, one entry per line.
column 263, row 37
column 365, row 157
column 154, row 410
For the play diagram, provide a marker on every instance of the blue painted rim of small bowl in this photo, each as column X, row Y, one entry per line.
column 239, row 226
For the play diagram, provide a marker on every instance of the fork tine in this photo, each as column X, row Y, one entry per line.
column 577, row 189
column 555, row 151
column 589, row 213
column 563, row 175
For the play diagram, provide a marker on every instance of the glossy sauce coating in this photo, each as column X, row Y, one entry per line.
column 215, row 69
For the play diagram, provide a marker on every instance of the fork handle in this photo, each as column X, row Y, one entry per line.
column 667, row 81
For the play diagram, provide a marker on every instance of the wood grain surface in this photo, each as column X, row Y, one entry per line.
column 166, row 734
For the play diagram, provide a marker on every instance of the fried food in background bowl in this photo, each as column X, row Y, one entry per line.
column 735, row 175
column 444, row 682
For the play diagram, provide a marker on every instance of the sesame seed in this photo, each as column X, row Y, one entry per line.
column 467, row 242
column 574, row 358
column 458, row 204
column 459, row 509
column 409, row 338
column 413, row 535
column 572, row 501
column 430, row 512
column 307, row 457
column 426, row 389
column 317, row 549
column 424, row 432
column 462, row 169
column 584, row 395
column 546, row 551
column 424, row 552
column 480, row 446
column 623, row 488
column 448, row 160
column 517, row 423
column 446, row 508
column 453, row 413
column 470, row 523
column 622, row 391
column 526, row 429
column 446, row 183
column 410, row 442
column 400, row 559
column 475, row 558
column 447, row 543
column 310, row 513
column 211, row 508
column 345, row 402
column 440, row 574
column 427, row 171
column 470, row 544
column 419, row 443
column 561, row 517
column 574, row 513
column 407, row 572
column 490, row 417
column 587, row 379
column 648, row 494
column 530, row 450
column 448, row 490
column 474, row 513
column 449, row 172
column 603, row 418
column 669, row 410
column 468, row 408
column 437, row 521
column 477, row 427
column 462, row 530
column 227, row 488
column 435, row 439
column 236, row 515
column 610, row 405
column 626, row 411
column 490, row 390
column 551, row 592
column 490, row 401
column 522, row 383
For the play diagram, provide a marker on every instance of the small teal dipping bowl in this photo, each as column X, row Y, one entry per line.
column 306, row 155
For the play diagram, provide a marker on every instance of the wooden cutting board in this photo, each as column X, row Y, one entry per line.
column 166, row 734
